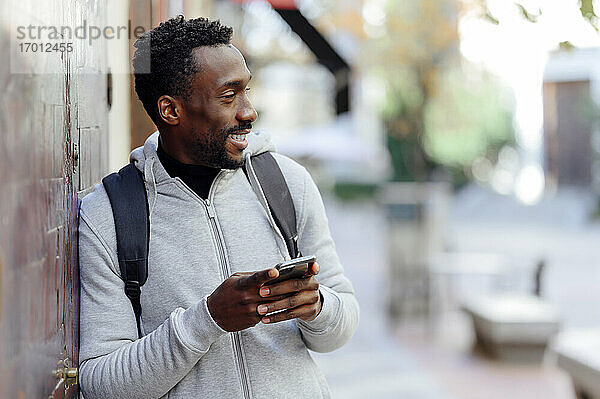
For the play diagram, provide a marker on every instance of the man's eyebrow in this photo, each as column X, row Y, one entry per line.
column 235, row 83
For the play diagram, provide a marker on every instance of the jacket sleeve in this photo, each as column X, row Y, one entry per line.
column 114, row 363
column 339, row 315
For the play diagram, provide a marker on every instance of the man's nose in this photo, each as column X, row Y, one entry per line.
column 246, row 112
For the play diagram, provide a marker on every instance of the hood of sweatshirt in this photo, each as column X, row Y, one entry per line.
column 146, row 159
column 258, row 142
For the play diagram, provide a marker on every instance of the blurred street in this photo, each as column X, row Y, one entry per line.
column 434, row 358
column 374, row 363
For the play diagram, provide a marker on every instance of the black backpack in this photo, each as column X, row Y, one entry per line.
column 129, row 203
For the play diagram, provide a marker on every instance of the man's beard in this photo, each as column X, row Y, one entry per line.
column 209, row 149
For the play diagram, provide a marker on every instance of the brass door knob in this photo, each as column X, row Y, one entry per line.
column 65, row 374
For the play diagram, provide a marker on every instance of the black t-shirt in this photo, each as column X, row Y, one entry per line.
column 199, row 178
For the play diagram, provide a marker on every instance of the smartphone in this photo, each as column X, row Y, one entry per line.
column 295, row 268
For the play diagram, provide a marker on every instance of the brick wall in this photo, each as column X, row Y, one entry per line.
column 53, row 147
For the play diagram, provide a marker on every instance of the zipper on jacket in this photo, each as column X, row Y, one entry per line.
column 237, row 341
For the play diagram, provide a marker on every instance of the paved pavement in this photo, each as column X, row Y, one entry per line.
column 382, row 361
column 373, row 364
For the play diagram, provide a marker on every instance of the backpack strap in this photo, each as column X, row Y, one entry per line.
column 278, row 198
column 129, row 203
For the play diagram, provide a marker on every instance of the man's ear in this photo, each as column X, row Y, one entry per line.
column 169, row 110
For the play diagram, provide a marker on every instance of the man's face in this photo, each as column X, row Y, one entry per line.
column 217, row 115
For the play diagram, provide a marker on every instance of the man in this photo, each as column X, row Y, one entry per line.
column 207, row 325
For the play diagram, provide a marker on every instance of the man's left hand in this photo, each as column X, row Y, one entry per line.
column 301, row 299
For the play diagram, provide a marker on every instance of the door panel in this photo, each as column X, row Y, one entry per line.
column 567, row 130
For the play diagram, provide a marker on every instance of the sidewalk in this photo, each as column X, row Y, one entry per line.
column 415, row 361
column 373, row 364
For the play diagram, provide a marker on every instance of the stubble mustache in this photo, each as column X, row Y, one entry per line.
column 238, row 128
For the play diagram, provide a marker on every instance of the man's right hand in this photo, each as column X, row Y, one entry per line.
column 233, row 305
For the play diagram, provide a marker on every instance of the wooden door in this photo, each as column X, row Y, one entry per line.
column 567, row 131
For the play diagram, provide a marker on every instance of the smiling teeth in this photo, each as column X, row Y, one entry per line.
column 238, row 137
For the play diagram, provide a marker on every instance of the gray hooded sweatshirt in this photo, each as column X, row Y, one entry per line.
column 195, row 244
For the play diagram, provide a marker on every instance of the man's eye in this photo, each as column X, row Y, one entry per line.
column 228, row 94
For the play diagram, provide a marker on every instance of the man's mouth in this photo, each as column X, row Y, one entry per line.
column 238, row 139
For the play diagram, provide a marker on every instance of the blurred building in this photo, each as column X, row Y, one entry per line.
column 571, row 128
column 308, row 87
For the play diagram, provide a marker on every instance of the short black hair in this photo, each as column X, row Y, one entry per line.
column 163, row 62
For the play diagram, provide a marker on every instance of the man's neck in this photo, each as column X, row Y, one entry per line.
column 197, row 177
column 175, row 153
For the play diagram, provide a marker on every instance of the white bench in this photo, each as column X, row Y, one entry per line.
column 455, row 277
column 578, row 353
column 513, row 326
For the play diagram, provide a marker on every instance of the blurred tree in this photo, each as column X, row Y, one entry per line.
column 433, row 114
column 467, row 120
column 418, row 40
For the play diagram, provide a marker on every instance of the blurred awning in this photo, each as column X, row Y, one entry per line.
column 338, row 144
column 319, row 45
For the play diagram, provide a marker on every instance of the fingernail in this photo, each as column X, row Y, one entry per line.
column 264, row 291
column 273, row 273
column 262, row 309
column 266, row 320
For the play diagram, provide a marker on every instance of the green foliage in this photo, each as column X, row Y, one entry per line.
column 422, row 40
column 354, row 191
column 465, row 121
column 528, row 15
column 462, row 121
column 490, row 18
column 403, row 114
column 404, row 96
column 566, row 45
column 402, row 153
column 586, row 7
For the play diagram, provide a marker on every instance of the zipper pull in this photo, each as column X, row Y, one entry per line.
column 210, row 209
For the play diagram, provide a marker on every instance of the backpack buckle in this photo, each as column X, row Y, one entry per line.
column 132, row 289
